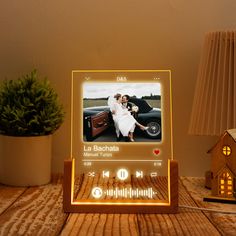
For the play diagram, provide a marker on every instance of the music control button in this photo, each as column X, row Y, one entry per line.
column 97, row 192
column 105, row 173
column 153, row 174
column 122, row 174
column 139, row 174
column 91, row 174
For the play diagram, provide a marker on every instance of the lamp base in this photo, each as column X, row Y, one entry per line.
column 219, row 199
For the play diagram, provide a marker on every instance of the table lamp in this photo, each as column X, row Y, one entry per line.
column 214, row 112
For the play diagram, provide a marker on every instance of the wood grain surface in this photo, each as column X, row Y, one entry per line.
column 225, row 223
column 38, row 211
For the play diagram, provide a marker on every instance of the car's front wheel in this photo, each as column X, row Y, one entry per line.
column 154, row 129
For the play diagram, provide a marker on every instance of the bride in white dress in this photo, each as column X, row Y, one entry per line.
column 124, row 121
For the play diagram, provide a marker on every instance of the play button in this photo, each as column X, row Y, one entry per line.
column 122, row 174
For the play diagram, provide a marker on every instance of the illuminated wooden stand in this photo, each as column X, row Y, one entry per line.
column 120, row 206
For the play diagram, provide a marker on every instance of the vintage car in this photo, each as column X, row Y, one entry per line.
column 98, row 119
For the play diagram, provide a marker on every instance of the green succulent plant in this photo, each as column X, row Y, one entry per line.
column 29, row 107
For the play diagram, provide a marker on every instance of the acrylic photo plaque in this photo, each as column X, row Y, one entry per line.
column 121, row 158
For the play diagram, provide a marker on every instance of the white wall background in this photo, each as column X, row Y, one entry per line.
column 57, row 36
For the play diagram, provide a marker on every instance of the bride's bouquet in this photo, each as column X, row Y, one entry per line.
column 135, row 108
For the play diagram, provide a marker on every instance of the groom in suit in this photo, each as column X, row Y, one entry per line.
column 126, row 103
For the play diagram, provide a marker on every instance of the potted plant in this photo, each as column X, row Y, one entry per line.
column 29, row 114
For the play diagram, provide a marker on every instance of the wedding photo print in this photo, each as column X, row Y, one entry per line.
column 122, row 112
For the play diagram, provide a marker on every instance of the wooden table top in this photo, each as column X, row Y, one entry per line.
column 38, row 211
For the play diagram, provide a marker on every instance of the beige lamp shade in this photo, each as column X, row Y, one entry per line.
column 214, row 105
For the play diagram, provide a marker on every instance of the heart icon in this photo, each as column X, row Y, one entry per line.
column 156, row 151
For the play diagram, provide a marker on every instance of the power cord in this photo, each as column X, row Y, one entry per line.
column 206, row 209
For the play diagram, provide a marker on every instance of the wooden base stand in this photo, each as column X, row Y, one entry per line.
column 169, row 205
column 219, row 199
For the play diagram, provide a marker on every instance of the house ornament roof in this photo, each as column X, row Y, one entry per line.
column 231, row 132
column 225, row 168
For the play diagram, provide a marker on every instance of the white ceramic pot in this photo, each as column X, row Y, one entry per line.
column 25, row 161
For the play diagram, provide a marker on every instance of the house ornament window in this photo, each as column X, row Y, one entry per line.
column 226, row 184
column 226, row 150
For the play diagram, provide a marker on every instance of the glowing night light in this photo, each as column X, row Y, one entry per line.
column 121, row 143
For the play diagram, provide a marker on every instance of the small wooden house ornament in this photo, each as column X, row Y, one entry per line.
column 222, row 177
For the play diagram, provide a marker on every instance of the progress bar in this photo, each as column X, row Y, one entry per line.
column 123, row 160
